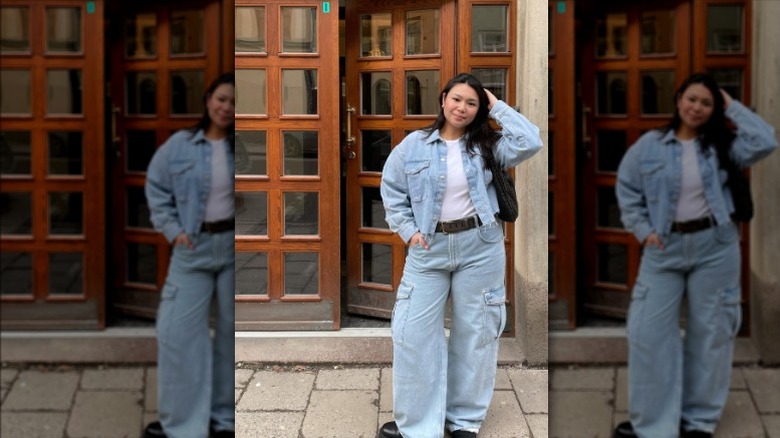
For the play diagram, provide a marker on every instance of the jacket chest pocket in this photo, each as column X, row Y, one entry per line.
column 416, row 175
column 652, row 178
column 182, row 178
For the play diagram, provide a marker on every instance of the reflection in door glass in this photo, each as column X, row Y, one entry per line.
column 250, row 91
column 251, row 273
column 612, row 263
column 373, row 209
column 186, row 32
column 301, row 149
column 375, row 148
column 730, row 79
column 301, row 273
column 422, row 32
column 608, row 211
column 139, row 149
column 141, row 92
column 611, row 89
column 15, row 152
column 251, row 213
column 658, row 92
column 377, row 263
column 16, row 213
column 15, row 31
column 610, row 147
column 301, row 213
column 299, row 91
column 250, row 29
column 66, row 213
column 658, row 32
column 137, row 208
column 375, row 35
column 251, row 153
column 63, row 29
column 64, row 92
column 15, row 91
column 65, row 153
column 724, row 28
column 611, row 39
column 494, row 79
column 141, row 263
column 141, row 36
column 187, row 92
column 375, row 88
column 299, row 30
column 489, row 29
column 16, row 273
column 422, row 92
column 66, row 272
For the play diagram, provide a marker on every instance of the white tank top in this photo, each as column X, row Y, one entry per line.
column 457, row 201
column 221, row 201
column 692, row 203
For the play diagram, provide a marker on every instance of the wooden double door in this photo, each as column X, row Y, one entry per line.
column 630, row 58
column 313, row 115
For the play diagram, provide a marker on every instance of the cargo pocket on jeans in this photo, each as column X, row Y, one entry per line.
column 400, row 311
column 635, row 311
column 730, row 315
column 494, row 314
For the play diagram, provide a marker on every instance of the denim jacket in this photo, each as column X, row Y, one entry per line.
column 649, row 176
column 415, row 175
column 178, row 182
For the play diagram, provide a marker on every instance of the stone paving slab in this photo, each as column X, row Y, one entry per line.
column 578, row 414
column 39, row 390
column 113, row 378
column 531, row 387
column 356, row 378
column 505, row 418
column 772, row 425
column 242, row 377
column 583, row 379
column 502, row 380
column 7, row 375
column 621, row 390
column 150, row 392
column 765, row 386
column 386, row 390
column 341, row 414
column 538, row 424
column 33, row 424
column 101, row 414
column 739, row 419
column 272, row 424
column 738, row 379
column 283, row 391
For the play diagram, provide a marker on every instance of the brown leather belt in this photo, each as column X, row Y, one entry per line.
column 458, row 225
column 218, row 226
column 694, row 225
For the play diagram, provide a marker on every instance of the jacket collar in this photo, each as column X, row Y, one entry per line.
column 199, row 137
column 669, row 137
column 435, row 137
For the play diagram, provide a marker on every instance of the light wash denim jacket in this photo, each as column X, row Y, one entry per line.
column 649, row 176
column 415, row 175
column 178, row 182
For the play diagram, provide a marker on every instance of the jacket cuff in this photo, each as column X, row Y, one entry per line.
column 172, row 230
column 642, row 231
column 407, row 233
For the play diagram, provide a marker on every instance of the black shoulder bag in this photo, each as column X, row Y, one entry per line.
column 505, row 190
column 739, row 186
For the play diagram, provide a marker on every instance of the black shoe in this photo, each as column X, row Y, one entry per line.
column 389, row 430
column 696, row 434
column 222, row 434
column 154, row 430
column 463, row 434
column 624, row 430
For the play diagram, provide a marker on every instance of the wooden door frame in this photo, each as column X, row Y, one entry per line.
column 41, row 310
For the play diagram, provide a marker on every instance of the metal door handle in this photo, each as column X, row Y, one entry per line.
column 350, row 137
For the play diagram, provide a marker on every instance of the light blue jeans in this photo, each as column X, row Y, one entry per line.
column 434, row 385
column 195, row 377
column 676, row 382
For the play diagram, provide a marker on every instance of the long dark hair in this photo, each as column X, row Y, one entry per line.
column 715, row 132
column 205, row 120
column 478, row 133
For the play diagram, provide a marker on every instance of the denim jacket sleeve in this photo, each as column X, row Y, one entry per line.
column 160, row 197
column 519, row 137
column 755, row 138
column 395, row 193
column 631, row 198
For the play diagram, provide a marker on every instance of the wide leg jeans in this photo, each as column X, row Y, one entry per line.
column 195, row 376
column 434, row 384
column 683, row 382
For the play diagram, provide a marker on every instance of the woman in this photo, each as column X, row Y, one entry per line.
column 438, row 197
column 189, row 188
column 674, row 197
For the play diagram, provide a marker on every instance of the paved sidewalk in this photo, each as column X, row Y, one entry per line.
column 353, row 401
column 590, row 401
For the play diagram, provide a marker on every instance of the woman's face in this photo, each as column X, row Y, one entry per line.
column 222, row 106
column 460, row 106
column 695, row 106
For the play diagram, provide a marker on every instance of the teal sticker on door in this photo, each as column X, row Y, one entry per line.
column 90, row 7
column 561, row 7
column 326, row 7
